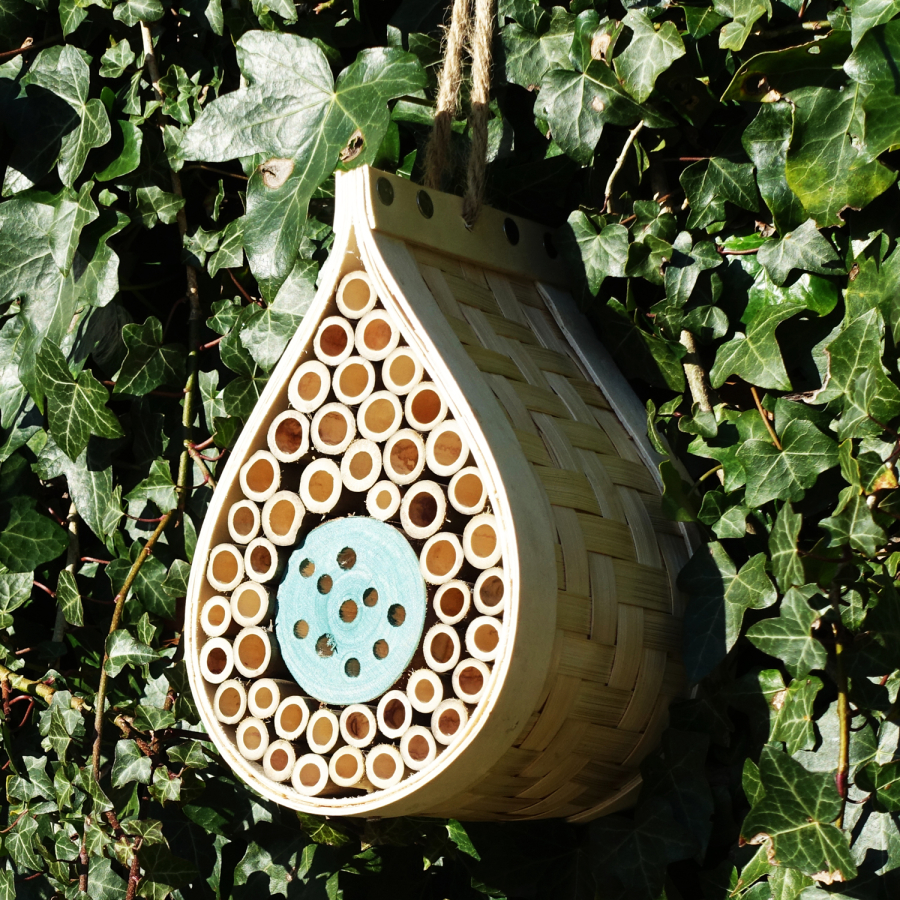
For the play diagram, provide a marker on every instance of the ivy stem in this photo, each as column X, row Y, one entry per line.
column 100, row 697
column 30, row 44
column 697, row 379
column 841, row 776
column 36, row 688
column 607, row 194
column 214, row 169
column 73, row 558
column 764, row 417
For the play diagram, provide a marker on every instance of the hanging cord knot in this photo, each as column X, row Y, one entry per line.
column 477, row 34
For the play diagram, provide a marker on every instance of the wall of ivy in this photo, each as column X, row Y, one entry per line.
column 723, row 179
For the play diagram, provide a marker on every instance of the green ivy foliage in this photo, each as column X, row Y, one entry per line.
column 723, row 180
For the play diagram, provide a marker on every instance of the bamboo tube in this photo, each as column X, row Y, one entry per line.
column 451, row 602
column 423, row 510
column 310, row 776
column 291, row 718
column 401, row 371
column 347, row 769
column 356, row 295
column 446, row 451
column 441, row 558
column 279, row 760
column 483, row 638
column 321, row 486
column 358, row 725
column 470, row 679
column 265, row 696
column 261, row 560
column 256, row 652
column 309, row 386
column 361, row 465
column 230, row 702
column 481, row 541
column 260, row 476
column 288, row 436
column 282, row 516
column 418, row 748
column 404, row 456
column 384, row 766
column 333, row 342
column 354, row 380
column 383, row 500
column 333, row 428
column 467, row 492
column 225, row 569
column 424, row 690
column 252, row 738
column 376, row 336
column 379, row 416
column 216, row 660
column 251, row 604
column 442, row 647
column 215, row 617
column 425, row 406
column 394, row 714
column 448, row 721
column 243, row 521
column 322, row 731
column 490, row 592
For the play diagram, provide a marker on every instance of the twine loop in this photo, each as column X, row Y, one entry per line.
column 476, row 33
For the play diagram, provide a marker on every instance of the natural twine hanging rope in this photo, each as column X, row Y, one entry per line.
column 478, row 36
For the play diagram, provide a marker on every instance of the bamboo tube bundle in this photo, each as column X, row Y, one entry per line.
column 435, row 577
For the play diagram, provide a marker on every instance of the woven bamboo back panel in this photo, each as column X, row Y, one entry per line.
column 615, row 665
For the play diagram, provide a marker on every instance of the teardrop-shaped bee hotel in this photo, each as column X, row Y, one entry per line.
column 435, row 577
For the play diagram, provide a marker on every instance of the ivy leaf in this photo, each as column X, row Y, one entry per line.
column 163, row 871
column 15, row 589
column 458, row 834
column 870, row 65
column 230, row 254
column 719, row 596
column 149, row 363
column 744, row 14
column 154, row 204
column 766, row 142
column 787, row 564
column 853, row 524
column 158, row 487
column 601, row 253
column 709, row 184
column 28, row 539
column 824, row 168
column 20, row 843
column 785, row 474
column 795, row 815
column 531, row 51
column 578, row 104
column 130, row 765
column 291, row 109
column 131, row 12
column 867, row 14
column 794, row 714
column 76, row 407
column 638, row 851
column 788, row 636
column 804, row 248
column 649, row 54
column 123, row 650
column 69, row 598
column 882, row 781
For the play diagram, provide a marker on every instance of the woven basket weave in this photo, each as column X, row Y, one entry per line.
column 593, row 660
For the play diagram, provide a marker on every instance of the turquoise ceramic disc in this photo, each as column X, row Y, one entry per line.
column 351, row 610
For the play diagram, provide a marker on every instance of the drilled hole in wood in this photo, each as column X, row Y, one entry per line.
column 333, row 340
column 325, row 646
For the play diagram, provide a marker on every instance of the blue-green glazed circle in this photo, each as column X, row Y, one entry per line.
column 339, row 619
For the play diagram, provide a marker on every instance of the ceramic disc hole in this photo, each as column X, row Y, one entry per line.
column 381, row 649
column 325, row 584
column 348, row 611
column 370, row 597
column 346, row 559
column 396, row 615
column 301, row 629
column 307, row 568
column 351, row 668
column 325, row 646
